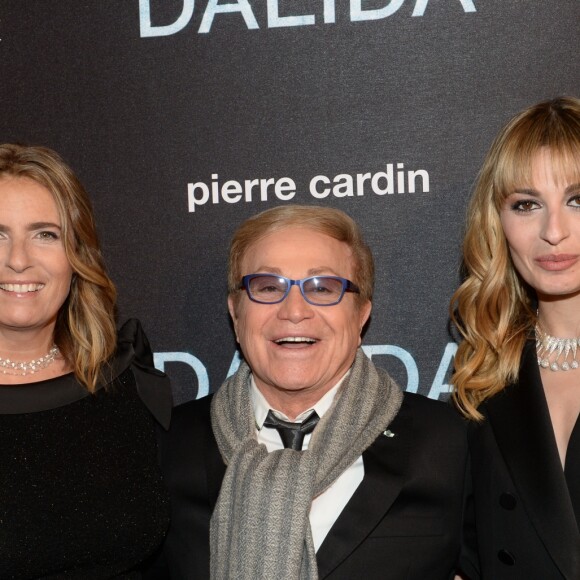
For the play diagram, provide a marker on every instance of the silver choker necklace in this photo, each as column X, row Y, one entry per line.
column 558, row 349
column 23, row 368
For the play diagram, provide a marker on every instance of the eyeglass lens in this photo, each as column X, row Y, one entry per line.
column 318, row 290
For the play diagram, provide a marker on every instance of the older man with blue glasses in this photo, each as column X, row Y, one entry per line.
column 310, row 462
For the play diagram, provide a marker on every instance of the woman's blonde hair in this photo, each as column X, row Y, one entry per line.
column 325, row 220
column 494, row 309
column 85, row 330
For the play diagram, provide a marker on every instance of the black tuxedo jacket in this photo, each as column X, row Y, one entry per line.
column 526, row 506
column 402, row 523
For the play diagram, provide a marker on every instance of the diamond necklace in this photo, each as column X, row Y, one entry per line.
column 550, row 346
column 23, row 368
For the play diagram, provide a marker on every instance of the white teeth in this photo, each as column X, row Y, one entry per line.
column 21, row 288
column 295, row 339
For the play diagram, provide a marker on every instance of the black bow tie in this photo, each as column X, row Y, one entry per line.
column 292, row 434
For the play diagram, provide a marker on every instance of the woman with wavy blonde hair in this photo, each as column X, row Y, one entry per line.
column 82, row 493
column 517, row 371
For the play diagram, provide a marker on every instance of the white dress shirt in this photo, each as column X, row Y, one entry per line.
column 329, row 504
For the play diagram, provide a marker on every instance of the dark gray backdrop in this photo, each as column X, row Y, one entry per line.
column 142, row 103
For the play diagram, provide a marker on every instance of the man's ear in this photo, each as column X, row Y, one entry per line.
column 365, row 312
column 232, row 308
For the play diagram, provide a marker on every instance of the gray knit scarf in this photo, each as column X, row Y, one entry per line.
column 260, row 527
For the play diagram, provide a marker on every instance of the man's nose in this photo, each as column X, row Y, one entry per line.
column 294, row 307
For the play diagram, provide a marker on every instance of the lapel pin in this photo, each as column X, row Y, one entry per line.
column 388, row 433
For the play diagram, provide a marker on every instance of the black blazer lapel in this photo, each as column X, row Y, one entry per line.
column 521, row 424
column 372, row 499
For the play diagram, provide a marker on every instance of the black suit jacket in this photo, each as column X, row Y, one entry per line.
column 402, row 523
column 524, row 509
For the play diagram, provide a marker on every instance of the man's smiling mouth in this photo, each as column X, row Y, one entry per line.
column 295, row 340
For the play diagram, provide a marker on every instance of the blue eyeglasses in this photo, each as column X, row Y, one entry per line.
column 316, row 290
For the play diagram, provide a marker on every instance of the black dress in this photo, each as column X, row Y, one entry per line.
column 81, row 491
